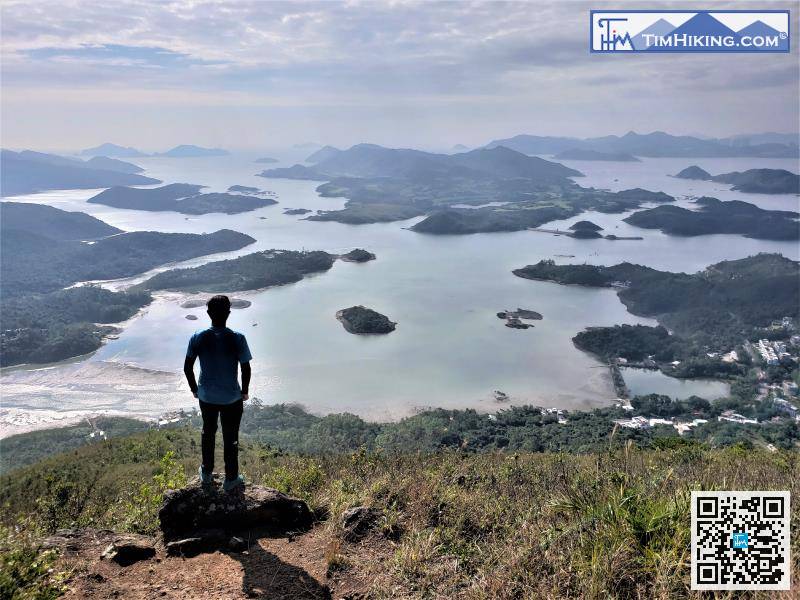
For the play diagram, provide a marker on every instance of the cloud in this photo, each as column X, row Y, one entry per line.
column 503, row 61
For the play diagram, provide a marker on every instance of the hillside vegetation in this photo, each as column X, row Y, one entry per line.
column 452, row 524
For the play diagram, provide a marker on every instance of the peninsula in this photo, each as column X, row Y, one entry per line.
column 250, row 272
column 717, row 216
column 179, row 197
column 754, row 181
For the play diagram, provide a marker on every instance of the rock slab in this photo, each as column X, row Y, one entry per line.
column 194, row 508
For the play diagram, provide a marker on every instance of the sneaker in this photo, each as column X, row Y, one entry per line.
column 205, row 479
column 233, row 484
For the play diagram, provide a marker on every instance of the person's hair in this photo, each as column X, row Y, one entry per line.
column 219, row 307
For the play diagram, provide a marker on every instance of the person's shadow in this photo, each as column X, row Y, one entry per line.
column 267, row 576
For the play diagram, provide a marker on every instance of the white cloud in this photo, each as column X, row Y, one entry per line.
column 373, row 66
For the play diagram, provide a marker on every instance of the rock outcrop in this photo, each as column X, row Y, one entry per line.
column 198, row 511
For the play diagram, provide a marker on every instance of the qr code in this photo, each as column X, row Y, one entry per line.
column 740, row 541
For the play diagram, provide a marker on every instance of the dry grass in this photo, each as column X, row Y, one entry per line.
column 456, row 525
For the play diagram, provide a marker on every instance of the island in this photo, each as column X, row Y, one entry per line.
column 754, row 181
column 514, row 318
column 245, row 189
column 585, row 154
column 694, row 172
column 249, row 272
column 191, row 151
column 360, row 320
column 179, row 197
column 294, row 172
column 358, row 255
column 296, row 211
column 585, row 229
column 192, row 317
column 511, row 191
column 717, row 216
column 29, row 172
column 112, row 151
column 266, row 160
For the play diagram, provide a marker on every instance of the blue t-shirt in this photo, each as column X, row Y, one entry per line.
column 220, row 351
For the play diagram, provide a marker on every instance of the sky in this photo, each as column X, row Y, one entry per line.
column 258, row 74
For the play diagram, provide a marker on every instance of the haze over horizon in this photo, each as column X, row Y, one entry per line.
column 255, row 75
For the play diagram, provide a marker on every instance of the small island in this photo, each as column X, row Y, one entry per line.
column 266, row 160
column 192, row 151
column 244, row 189
column 578, row 154
column 586, row 229
column 716, row 216
column 754, row 181
column 296, row 211
column 361, row 320
column 359, row 255
column 514, row 318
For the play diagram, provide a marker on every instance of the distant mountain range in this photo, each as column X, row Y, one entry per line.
column 370, row 160
column 659, row 144
column 28, row 172
column 182, row 151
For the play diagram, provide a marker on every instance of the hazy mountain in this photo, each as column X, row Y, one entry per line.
column 28, row 172
column 370, row 160
column 323, row 153
column 656, row 144
column 53, row 223
column 190, row 151
column 536, row 144
column 113, row 151
column 179, row 197
column 112, row 164
column 769, row 137
column 578, row 154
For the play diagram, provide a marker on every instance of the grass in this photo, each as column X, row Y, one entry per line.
column 455, row 525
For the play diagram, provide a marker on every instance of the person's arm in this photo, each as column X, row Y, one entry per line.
column 188, row 370
column 245, row 380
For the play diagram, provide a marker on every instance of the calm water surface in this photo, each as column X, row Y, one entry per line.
column 449, row 348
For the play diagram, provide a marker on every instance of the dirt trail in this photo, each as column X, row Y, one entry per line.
column 290, row 568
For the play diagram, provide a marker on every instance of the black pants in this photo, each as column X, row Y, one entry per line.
column 230, row 415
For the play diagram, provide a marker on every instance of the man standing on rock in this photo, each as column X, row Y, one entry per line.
column 221, row 351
